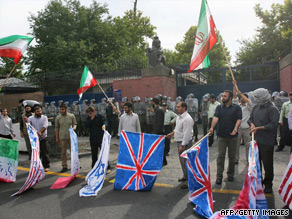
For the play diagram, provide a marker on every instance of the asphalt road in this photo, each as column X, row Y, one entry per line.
column 166, row 200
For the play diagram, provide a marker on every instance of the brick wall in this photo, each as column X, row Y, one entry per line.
column 286, row 78
column 147, row 86
column 11, row 100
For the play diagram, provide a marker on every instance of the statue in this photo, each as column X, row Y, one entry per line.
column 154, row 54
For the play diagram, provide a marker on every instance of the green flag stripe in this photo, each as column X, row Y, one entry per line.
column 84, row 76
column 12, row 38
column 9, row 149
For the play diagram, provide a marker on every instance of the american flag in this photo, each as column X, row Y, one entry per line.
column 252, row 195
column 285, row 189
column 36, row 172
column 199, row 179
column 139, row 161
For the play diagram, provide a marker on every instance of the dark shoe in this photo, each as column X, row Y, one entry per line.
column 236, row 162
column 182, row 179
column 167, row 154
column 279, row 149
column 210, row 145
column 218, row 181
column 64, row 169
column 268, row 189
column 230, row 178
column 196, row 139
column 184, row 186
column 164, row 163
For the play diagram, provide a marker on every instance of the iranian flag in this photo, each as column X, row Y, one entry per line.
column 14, row 46
column 87, row 81
column 8, row 160
column 205, row 39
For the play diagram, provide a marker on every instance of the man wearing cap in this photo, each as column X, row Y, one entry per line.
column 285, row 137
column 263, row 123
column 63, row 122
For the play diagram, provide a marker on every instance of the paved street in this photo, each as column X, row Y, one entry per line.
column 166, row 200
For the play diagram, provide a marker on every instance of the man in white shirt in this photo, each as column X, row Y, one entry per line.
column 183, row 133
column 129, row 121
column 6, row 130
column 211, row 111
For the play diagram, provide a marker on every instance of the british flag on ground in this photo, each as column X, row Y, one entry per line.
column 139, row 161
column 199, row 179
column 285, row 189
column 252, row 195
column 36, row 172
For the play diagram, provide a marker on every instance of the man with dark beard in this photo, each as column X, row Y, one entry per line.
column 40, row 123
column 23, row 129
column 228, row 116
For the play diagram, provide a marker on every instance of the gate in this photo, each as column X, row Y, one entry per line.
column 215, row 81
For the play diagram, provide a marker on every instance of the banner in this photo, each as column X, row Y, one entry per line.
column 62, row 182
column 36, row 172
column 8, row 160
column 95, row 177
column 140, row 161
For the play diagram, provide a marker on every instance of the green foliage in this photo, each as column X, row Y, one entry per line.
column 7, row 64
column 70, row 36
column 272, row 39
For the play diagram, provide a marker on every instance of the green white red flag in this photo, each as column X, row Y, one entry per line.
column 14, row 46
column 87, row 81
column 205, row 39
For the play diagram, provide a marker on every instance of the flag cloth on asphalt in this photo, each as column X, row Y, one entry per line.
column 205, row 39
column 285, row 188
column 199, row 179
column 8, row 159
column 95, row 177
column 62, row 182
column 140, row 161
column 87, row 81
column 252, row 195
column 14, row 46
column 36, row 172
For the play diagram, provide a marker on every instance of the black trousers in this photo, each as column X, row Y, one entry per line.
column 266, row 156
column 285, row 134
column 95, row 145
column 44, row 153
column 205, row 124
column 6, row 136
column 211, row 137
column 167, row 130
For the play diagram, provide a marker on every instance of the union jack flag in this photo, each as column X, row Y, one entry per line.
column 199, row 179
column 252, row 195
column 36, row 172
column 139, row 161
column 285, row 189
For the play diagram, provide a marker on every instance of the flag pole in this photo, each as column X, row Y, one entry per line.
column 198, row 142
column 106, row 95
column 252, row 153
column 8, row 77
column 227, row 60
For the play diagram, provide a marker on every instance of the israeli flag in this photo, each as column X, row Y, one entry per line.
column 95, row 177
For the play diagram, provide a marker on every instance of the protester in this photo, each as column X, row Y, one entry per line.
column 183, row 134
column 243, row 131
column 40, row 123
column 158, row 122
column 228, row 116
column 63, row 122
column 96, row 124
column 203, row 112
column 6, row 129
column 169, row 119
column 211, row 111
column 23, row 128
column 285, row 137
column 263, row 122
column 112, row 118
column 129, row 121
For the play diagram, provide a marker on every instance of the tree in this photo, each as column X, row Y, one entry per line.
column 7, row 64
column 272, row 39
column 184, row 50
column 70, row 36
